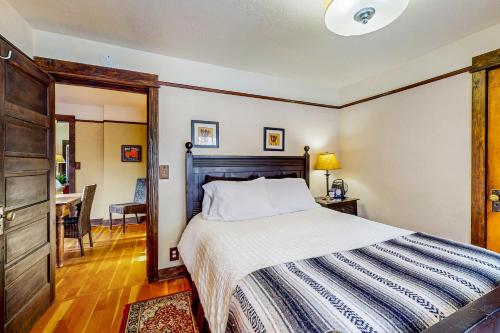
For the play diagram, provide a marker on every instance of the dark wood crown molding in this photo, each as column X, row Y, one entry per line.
column 408, row 87
column 119, row 79
column 284, row 100
column 242, row 94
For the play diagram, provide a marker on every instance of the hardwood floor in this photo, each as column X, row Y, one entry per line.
column 92, row 291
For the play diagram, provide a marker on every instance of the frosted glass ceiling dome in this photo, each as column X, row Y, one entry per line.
column 359, row 17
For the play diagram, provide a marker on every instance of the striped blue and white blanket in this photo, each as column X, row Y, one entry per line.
column 406, row 284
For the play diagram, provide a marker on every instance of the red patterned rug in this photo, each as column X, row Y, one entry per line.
column 166, row 314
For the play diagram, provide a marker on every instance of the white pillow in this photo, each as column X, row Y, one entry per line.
column 208, row 195
column 289, row 195
column 233, row 201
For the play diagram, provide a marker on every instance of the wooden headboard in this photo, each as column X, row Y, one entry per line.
column 199, row 166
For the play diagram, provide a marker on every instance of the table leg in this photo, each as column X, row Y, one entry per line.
column 60, row 242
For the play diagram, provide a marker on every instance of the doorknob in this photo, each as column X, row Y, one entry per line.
column 8, row 217
column 494, row 198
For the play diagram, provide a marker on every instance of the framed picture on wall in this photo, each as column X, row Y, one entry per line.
column 205, row 134
column 274, row 139
column 131, row 153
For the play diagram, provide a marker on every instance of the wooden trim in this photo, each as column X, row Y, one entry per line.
column 72, row 143
column 117, row 221
column 124, row 122
column 482, row 315
column 284, row 100
column 111, row 121
column 172, row 272
column 89, row 121
column 486, row 61
column 118, row 79
column 242, row 94
column 52, row 190
column 152, row 184
column 478, row 161
column 97, row 76
column 408, row 87
column 479, row 157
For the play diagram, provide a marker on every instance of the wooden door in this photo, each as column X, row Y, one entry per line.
column 493, row 170
column 26, row 190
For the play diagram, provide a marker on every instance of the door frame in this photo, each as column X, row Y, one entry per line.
column 72, row 142
column 72, row 73
column 481, row 65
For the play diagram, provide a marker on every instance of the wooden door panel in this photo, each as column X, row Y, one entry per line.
column 25, row 166
column 33, row 143
column 20, row 241
column 493, row 225
column 22, row 113
column 25, row 190
column 27, row 263
column 13, row 272
column 28, row 215
column 32, row 95
column 29, row 314
column 25, row 287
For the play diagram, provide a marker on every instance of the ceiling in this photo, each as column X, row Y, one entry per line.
column 95, row 96
column 285, row 38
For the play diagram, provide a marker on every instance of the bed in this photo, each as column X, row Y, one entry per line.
column 323, row 271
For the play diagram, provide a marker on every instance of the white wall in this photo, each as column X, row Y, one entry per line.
column 241, row 119
column 407, row 157
column 15, row 28
column 178, row 70
column 241, row 130
column 443, row 60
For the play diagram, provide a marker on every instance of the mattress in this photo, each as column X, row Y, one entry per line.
column 218, row 254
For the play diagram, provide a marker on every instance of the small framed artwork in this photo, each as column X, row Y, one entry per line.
column 205, row 134
column 131, row 153
column 274, row 139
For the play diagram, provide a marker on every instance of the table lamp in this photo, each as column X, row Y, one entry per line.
column 327, row 162
column 60, row 159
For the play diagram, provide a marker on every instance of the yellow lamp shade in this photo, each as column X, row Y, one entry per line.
column 60, row 159
column 327, row 161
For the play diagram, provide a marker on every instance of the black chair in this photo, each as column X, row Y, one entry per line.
column 138, row 206
column 79, row 225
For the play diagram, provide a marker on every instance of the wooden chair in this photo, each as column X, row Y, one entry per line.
column 138, row 206
column 79, row 225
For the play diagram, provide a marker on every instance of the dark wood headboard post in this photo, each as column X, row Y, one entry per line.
column 189, row 182
column 306, row 166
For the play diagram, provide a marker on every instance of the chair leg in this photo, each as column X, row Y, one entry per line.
column 90, row 238
column 123, row 221
column 110, row 221
column 137, row 218
column 80, row 240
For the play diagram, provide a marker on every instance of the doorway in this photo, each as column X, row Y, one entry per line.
column 485, row 206
column 66, row 72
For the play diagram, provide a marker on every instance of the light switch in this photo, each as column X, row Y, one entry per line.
column 164, row 172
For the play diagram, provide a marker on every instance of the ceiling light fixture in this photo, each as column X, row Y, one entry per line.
column 359, row 17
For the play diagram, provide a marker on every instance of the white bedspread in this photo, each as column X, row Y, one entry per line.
column 219, row 254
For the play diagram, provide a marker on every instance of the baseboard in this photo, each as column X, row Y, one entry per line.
column 172, row 272
column 117, row 221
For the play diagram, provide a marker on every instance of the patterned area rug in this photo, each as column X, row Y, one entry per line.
column 166, row 314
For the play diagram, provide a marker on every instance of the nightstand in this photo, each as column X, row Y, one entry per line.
column 346, row 205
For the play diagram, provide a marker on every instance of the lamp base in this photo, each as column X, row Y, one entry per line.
column 327, row 174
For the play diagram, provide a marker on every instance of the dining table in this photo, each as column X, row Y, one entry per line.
column 65, row 206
